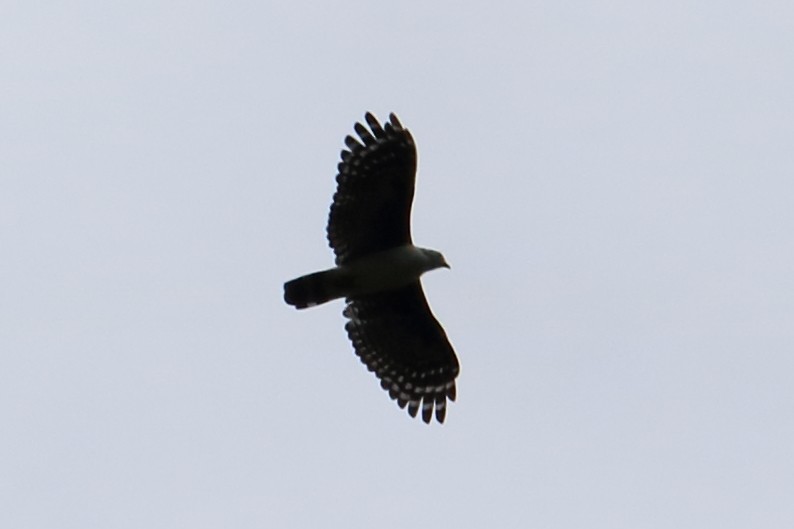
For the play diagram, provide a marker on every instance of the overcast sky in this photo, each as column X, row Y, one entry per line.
column 612, row 183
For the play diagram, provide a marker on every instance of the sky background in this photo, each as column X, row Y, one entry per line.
column 612, row 182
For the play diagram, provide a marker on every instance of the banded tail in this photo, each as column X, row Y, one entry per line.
column 312, row 289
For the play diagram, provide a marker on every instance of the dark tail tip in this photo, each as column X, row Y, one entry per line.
column 310, row 290
column 296, row 293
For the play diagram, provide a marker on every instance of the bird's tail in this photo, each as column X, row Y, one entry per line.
column 313, row 289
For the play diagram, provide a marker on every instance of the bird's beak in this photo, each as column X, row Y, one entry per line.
column 446, row 265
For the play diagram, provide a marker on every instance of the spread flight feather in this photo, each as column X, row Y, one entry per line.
column 378, row 271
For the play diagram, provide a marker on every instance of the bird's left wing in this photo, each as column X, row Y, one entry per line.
column 396, row 335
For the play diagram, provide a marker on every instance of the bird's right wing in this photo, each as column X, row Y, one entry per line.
column 371, row 211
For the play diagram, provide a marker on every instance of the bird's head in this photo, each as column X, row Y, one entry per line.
column 434, row 259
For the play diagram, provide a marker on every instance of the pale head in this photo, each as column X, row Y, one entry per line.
column 433, row 259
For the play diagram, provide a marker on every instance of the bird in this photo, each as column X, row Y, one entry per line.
column 377, row 271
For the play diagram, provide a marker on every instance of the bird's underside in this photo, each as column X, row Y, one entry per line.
column 390, row 324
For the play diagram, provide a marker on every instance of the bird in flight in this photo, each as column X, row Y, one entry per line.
column 377, row 271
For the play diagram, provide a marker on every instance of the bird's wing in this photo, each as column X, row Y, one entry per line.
column 396, row 335
column 371, row 211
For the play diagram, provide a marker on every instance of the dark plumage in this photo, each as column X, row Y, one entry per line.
column 393, row 331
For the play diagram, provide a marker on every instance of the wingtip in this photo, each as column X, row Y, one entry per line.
column 353, row 144
column 441, row 413
column 374, row 125
column 427, row 410
column 394, row 121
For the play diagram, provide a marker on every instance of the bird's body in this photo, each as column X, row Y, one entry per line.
column 378, row 269
column 386, row 270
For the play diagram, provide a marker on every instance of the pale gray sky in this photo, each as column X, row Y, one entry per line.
column 612, row 182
